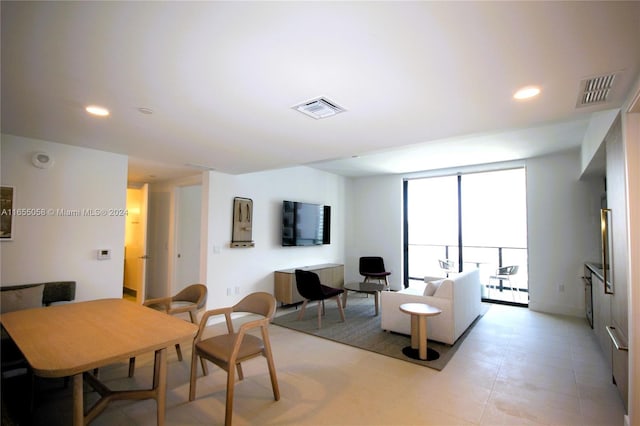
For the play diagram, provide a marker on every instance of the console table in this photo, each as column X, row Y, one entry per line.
column 286, row 292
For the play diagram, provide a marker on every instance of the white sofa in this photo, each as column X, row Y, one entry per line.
column 457, row 296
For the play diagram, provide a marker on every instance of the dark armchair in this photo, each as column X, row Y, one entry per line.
column 372, row 267
column 310, row 288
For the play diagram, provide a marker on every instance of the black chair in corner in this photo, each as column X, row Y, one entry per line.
column 372, row 267
column 309, row 287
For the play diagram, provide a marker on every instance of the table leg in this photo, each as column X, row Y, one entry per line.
column 160, row 383
column 78, row 401
column 377, row 301
column 422, row 336
column 415, row 343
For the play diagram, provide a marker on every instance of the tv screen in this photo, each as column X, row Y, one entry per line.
column 304, row 224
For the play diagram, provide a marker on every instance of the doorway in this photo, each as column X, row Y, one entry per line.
column 135, row 249
column 188, row 230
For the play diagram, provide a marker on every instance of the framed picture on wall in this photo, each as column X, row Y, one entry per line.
column 6, row 212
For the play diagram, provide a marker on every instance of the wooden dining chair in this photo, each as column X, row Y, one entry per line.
column 229, row 350
column 189, row 300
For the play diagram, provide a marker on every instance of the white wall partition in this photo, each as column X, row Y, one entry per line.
column 83, row 196
column 234, row 272
column 564, row 232
column 374, row 220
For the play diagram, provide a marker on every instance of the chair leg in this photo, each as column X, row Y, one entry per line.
column 240, row 373
column 304, row 306
column 179, row 352
column 272, row 367
column 192, row 377
column 340, row 308
column 132, row 366
column 229, row 406
column 513, row 291
column 205, row 370
column 320, row 314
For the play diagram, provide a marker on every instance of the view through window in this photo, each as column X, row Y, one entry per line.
column 476, row 220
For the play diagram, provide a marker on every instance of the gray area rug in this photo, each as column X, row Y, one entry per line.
column 362, row 330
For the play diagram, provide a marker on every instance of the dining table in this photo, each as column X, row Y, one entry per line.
column 75, row 339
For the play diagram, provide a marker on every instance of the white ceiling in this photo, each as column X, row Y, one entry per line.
column 426, row 84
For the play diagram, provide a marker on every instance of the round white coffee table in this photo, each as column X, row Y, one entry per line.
column 419, row 313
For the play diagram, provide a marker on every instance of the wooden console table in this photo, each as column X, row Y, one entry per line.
column 286, row 292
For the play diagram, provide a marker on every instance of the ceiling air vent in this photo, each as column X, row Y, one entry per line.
column 319, row 108
column 595, row 90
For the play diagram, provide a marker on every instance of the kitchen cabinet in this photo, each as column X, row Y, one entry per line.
column 601, row 315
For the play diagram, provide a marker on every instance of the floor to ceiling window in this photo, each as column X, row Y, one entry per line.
column 475, row 220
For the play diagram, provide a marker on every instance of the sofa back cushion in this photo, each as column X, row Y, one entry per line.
column 431, row 287
column 24, row 298
column 445, row 290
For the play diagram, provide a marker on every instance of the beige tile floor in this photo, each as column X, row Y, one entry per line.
column 516, row 367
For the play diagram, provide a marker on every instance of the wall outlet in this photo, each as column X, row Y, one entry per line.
column 237, row 290
column 228, row 291
column 561, row 288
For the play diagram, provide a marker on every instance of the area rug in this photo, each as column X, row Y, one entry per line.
column 362, row 330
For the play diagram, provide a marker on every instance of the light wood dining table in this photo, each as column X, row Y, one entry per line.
column 76, row 338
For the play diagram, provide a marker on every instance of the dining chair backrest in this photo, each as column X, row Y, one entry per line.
column 259, row 303
column 195, row 293
column 371, row 264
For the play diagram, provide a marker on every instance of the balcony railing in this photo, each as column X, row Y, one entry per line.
column 423, row 262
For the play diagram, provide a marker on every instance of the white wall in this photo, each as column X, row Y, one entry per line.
column 563, row 230
column 599, row 126
column 55, row 247
column 251, row 269
column 374, row 223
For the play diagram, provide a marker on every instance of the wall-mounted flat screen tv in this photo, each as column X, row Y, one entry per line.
column 305, row 224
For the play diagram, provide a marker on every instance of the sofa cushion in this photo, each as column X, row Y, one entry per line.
column 24, row 298
column 445, row 290
column 431, row 287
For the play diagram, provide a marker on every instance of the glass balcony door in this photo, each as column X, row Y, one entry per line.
column 494, row 229
column 432, row 222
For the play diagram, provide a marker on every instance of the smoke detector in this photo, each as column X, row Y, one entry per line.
column 319, row 108
column 595, row 90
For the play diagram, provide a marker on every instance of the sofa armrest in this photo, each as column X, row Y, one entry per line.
column 467, row 302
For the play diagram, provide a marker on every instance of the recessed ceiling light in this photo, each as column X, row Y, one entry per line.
column 527, row 93
column 144, row 110
column 97, row 110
